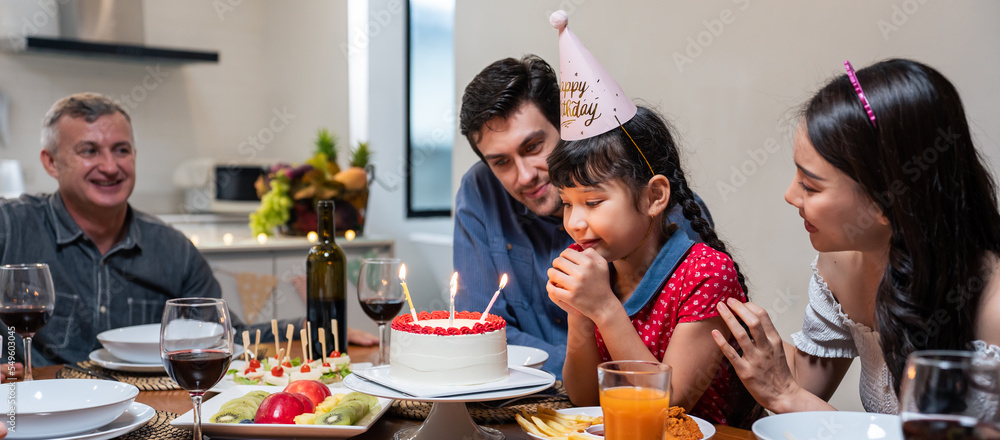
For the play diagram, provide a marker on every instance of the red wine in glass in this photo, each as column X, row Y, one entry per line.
column 197, row 370
column 382, row 310
column 949, row 428
column 25, row 320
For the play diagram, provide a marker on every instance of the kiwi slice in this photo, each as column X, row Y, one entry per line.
column 256, row 396
column 233, row 414
column 345, row 413
column 369, row 401
column 240, row 401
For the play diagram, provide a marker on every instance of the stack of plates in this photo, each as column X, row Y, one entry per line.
column 72, row 409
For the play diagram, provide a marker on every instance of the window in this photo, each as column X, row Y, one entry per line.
column 431, row 107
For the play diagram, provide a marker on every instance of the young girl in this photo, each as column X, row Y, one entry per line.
column 656, row 299
column 903, row 212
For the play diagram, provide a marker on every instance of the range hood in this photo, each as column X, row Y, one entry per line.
column 105, row 28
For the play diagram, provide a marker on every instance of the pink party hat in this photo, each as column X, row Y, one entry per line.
column 591, row 100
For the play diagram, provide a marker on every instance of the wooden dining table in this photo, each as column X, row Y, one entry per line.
column 179, row 402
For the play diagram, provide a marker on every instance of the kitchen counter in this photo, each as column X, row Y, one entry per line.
column 234, row 253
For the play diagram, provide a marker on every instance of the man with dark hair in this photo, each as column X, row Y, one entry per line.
column 112, row 266
column 508, row 217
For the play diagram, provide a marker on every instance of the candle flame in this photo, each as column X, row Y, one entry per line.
column 454, row 284
column 262, row 238
column 503, row 281
column 402, row 272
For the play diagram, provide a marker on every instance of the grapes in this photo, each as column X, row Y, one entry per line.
column 274, row 209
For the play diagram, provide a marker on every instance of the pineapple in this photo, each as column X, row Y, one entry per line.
column 355, row 178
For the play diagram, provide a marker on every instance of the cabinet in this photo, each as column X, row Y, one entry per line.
column 236, row 256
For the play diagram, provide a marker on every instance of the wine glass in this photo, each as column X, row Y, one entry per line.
column 380, row 292
column 952, row 395
column 196, row 345
column 27, row 300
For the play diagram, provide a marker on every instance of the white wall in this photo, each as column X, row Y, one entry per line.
column 736, row 94
column 428, row 264
column 279, row 57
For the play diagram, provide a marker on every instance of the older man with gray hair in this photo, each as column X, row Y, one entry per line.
column 112, row 266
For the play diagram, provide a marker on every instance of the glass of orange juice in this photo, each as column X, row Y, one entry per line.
column 635, row 396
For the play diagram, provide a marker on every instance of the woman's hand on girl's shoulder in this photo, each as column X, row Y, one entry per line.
column 762, row 366
column 581, row 281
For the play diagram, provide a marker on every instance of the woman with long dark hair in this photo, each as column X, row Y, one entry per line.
column 903, row 212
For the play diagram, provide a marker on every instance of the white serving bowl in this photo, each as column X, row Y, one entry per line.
column 62, row 407
column 830, row 425
column 138, row 344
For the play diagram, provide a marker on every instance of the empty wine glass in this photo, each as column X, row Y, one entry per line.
column 27, row 300
column 380, row 293
column 950, row 395
column 196, row 344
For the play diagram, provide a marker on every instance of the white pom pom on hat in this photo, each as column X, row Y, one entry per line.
column 559, row 19
column 592, row 102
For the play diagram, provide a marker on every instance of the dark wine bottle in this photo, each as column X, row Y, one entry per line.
column 326, row 283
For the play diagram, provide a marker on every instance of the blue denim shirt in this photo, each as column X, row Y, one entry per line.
column 129, row 285
column 495, row 234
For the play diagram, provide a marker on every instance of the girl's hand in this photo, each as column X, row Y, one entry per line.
column 579, row 282
column 763, row 367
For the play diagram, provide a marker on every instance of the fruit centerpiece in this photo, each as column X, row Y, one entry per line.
column 289, row 192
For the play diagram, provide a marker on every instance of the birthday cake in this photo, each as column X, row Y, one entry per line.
column 429, row 352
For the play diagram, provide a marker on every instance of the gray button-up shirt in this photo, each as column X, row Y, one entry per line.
column 127, row 286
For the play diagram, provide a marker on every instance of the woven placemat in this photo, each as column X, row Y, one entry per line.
column 481, row 412
column 143, row 381
column 158, row 428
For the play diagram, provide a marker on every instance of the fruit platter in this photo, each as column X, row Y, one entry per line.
column 301, row 409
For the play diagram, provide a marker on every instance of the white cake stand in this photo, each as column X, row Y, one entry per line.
column 449, row 418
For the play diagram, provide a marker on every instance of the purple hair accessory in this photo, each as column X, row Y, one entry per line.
column 857, row 89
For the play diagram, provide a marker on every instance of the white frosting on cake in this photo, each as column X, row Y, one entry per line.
column 448, row 360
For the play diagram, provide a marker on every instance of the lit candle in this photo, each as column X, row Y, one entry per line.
column 402, row 280
column 503, row 282
column 350, row 234
column 262, row 238
column 312, row 236
column 194, row 239
column 454, row 289
column 227, row 238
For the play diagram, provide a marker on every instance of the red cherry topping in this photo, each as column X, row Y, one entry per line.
column 254, row 363
column 576, row 247
column 326, row 364
column 335, row 354
column 277, row 371
column 286, row 364
column 249, row 370
column 305, row 368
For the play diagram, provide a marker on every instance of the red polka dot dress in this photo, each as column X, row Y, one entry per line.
column 702, row 279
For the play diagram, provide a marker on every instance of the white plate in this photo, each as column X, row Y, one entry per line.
column 707, row 429
column 227, row 381
column 133, row 418
column 268, row 431
column 517, row 377
column 830, row 425
column 355, row 382
column 105, row 359
column 521, row 356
